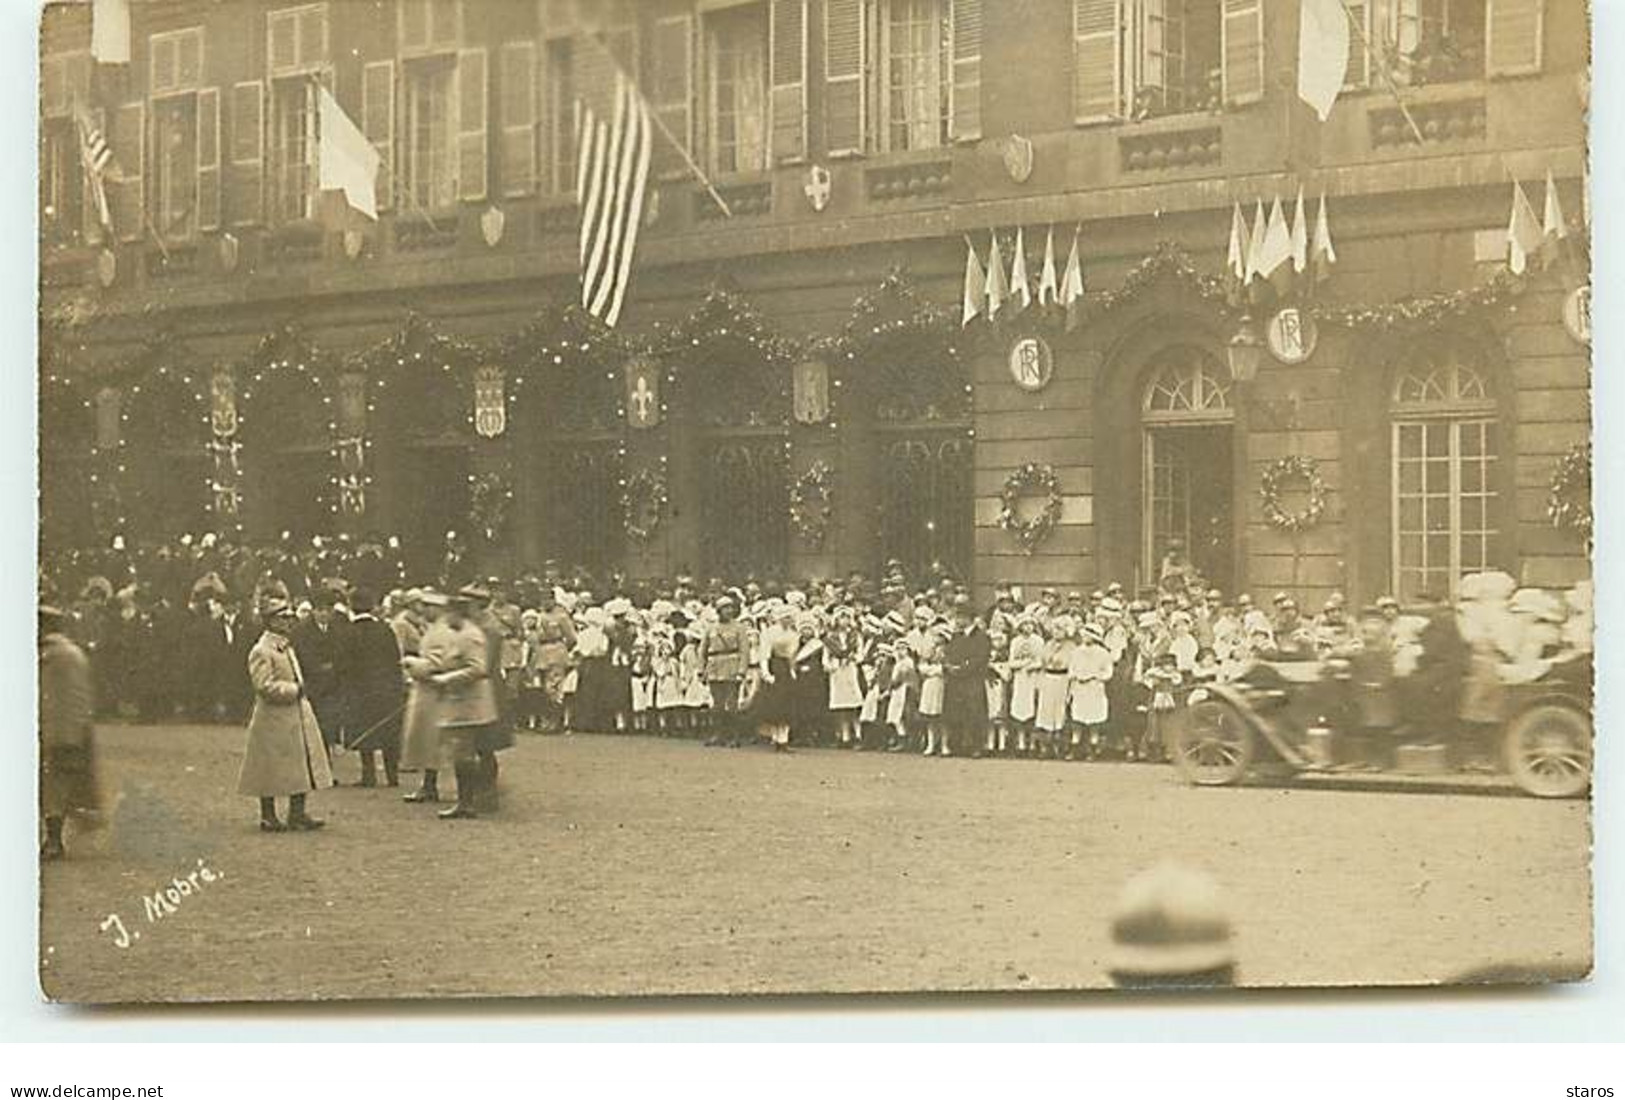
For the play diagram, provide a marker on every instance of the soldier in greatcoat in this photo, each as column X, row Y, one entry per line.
column 420, row 735
column 468, row 703
column 67, row 737
column 285, row 756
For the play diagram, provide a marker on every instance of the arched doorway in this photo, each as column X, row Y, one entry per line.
column 287, row 455
column 424, row 446
column 1446, row 470
column 1187, row 483
column 165, row 457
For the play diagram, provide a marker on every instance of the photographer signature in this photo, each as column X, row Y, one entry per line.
column 163, row 902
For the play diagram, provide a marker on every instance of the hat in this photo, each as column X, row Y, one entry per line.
column 362, row 600
column 1093, row 633
column 1115, row 588
column 474, row 592
column 925, row 615
column 1111, row 606
column 1214, row 594
column 1280, row 598
column 1387, row 601
column 413, row 595
column 275, row 607
column 1170, row 920
column 430, row 598
column 620, row 605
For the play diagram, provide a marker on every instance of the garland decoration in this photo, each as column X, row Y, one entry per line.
column 643, row 503
column 812, row 503
column 1167, row 260
column 1032, row 479
column 1569, row 502
column 1276, row 477
column 490, row 494
column 1424, row 312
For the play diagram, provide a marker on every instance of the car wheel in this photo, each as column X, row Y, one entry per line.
column 1213, row 744
column 1548, row 751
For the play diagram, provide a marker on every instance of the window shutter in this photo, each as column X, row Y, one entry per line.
column 189, row 59
column 126, row 186
column 844, row 54
column 787, row 57
column 312, row 30
column 1151, row 42
column 1514, row 36
column 163, row 64
column 1359, row 70
column 412, row 25
column 245, row 182
column 967, row 114
column 473, row 137
column 53, row 80
column 445, row 24
column 518, row 88
column 208, row 158
column 1097, row 60
column 673, row 88
column 378, row 122
column 1243, row 35
column 282, row 47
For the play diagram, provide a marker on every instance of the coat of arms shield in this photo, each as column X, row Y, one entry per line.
column 223, row 404
column 490, row 402
column 811, row 398
column 643, row 393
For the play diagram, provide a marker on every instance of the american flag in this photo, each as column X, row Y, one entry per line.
column 611, row 174
column 97, row 157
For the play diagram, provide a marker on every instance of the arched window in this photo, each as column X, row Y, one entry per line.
column 1445, row 447
column 1188, row 476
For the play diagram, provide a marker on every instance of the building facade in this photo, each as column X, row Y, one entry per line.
column 791, row 391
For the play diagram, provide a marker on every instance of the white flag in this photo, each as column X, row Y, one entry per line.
column 1276, row 248
column 346, row 161
column 1323, row 53
column 1236, row 261
column 1300, row 236
column 1049, row 283
column 975, row 286
column 110, row 31
column 1021, row 288
column 1255, row 241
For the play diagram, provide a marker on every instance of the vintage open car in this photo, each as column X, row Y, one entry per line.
column 1283, row 718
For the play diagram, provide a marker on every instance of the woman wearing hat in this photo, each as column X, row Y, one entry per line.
column 775, row 698
column 724, row 658
column 1026, row 671
column 810, row 713
column 844, row 650
column 1089, row 668
column 285, row 756
column 67, row 734
column 1054, row 688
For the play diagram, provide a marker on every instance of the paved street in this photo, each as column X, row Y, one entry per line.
column 631, row 865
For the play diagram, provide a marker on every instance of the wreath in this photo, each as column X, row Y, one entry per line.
column 1031, row 479
column 811, row 503
column 643, row 503
column 1277, row 476
column 488, row 500
column 1569, row 502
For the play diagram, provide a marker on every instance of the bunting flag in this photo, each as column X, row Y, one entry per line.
column 1523, row 231
column 1554, row 230
column 1322, row 254
column 1235, row 264
column 346, row 161
column 1255, row 241
column 998, row 288
column 1072, row 286
column 1275, row 254
column 1300, row 237
column 110, row 31
column 612, row 171
column 96, row 156
column 975, row 285
column 1323, row 53
column 1049, row 283
column 1021, row 288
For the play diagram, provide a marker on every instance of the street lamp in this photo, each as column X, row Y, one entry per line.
column 1245, row 351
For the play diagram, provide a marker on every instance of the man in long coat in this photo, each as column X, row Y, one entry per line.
column 964, row 667
column 285, row 756
column 374, row 692
column 467, row 704
column 319, row 643
column 67, row 738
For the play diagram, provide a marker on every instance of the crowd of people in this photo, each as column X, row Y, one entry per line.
column 415, row 677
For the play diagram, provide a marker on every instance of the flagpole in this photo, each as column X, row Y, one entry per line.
column 1387, row 77
column 660, row 124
